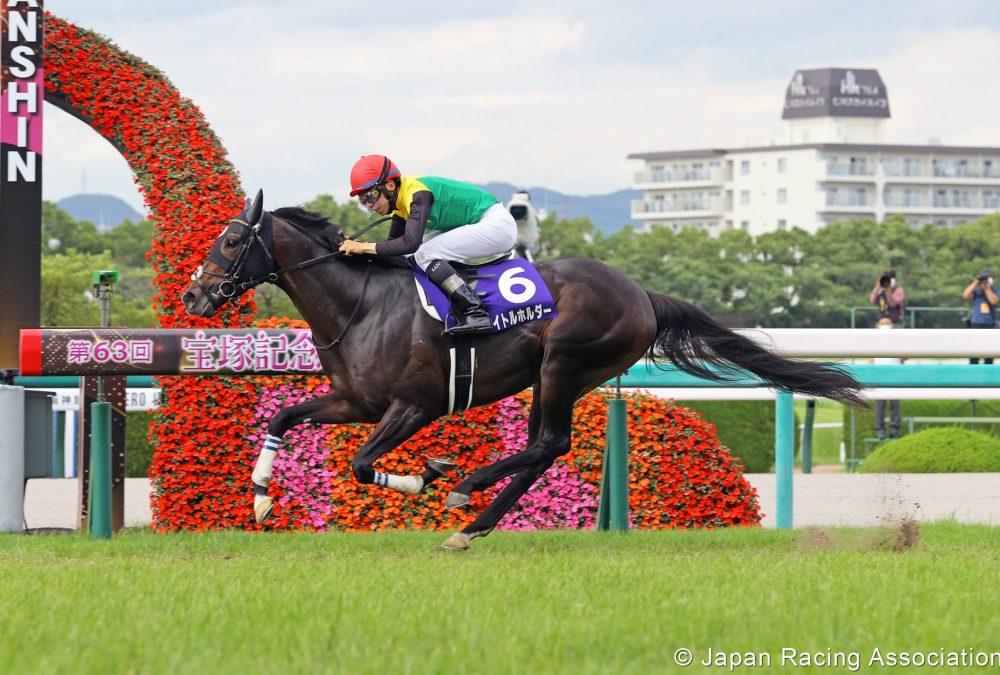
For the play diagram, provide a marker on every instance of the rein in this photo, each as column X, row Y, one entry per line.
column 273, row 276
column 328, row 256
column 229, row 283
column 361, row 299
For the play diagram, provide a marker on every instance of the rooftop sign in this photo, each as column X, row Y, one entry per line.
column 836, row 92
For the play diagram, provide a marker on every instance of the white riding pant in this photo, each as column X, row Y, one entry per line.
column 495, row 233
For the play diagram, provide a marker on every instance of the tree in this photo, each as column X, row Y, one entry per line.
column 60, row 232
column 130, row 242
column 67, row 299
column 566, row 238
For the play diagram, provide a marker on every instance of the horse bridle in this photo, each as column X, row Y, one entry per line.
column 230, row 287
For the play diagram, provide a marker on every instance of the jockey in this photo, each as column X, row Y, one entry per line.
column 437, row 220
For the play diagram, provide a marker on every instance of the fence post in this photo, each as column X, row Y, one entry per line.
column 618, row 465
column 807, row 436
column 99, row 511
column 784, row 457
column 11, row 458
column 612, row 510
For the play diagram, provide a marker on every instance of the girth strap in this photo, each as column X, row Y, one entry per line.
column 460, row 376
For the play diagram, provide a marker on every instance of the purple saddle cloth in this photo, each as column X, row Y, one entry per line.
column 513, row 291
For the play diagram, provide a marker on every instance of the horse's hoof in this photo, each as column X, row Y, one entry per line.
column 439, row 466
column 456, row 500
column 457, row 542
column 263, row 508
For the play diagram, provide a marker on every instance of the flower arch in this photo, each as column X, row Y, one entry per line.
column 206, row 431
column 190, row 191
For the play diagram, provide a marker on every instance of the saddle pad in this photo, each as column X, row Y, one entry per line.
column 513, row 291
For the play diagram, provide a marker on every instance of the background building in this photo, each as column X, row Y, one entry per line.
column 831, row 166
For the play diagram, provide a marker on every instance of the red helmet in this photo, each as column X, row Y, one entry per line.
column 371, row 170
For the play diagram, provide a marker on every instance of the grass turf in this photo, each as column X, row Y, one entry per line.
column 571, row 602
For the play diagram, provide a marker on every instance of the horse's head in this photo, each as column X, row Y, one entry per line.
column 241, row 258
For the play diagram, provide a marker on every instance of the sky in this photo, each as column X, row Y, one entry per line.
column 553, row 94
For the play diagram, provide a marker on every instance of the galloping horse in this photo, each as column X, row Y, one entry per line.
column 388, row 361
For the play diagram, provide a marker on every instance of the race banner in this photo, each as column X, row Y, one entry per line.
column 126, row 351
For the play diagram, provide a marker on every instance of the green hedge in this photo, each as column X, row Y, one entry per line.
column 959, row 409
column 138, row 451
column 746, row 428
column 937, row 450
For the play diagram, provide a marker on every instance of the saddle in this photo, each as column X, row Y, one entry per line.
column 512, row 290
column 470, row 271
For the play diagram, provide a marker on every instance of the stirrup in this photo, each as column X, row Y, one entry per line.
column 472, row 328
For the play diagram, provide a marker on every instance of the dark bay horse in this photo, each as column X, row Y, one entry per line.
column 388, row 361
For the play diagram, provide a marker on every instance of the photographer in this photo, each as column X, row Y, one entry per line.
column 984, row 304
column 888, row 296
column 885, row 323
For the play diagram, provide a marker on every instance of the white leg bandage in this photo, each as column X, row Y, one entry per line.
column 410, row 485
column 265, row 461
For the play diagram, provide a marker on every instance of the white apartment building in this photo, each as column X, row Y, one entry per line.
column 831, row 166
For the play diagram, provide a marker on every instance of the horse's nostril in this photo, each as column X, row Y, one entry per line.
column 187, row 298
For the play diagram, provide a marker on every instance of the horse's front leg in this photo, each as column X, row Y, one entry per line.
column 399, row 423
column 327, row 409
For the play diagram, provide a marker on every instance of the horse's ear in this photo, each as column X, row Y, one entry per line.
column 246, row 206
column 255, row 209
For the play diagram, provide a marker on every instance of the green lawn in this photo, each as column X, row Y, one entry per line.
column 571, row 602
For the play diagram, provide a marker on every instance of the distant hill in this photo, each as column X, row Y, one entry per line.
column 105, row 211
column 609, row 212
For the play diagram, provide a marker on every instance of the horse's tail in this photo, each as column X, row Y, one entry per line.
column 694, row 341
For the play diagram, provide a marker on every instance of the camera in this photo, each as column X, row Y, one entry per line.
column 983, row 278
column 104, row 277
column 884, row 281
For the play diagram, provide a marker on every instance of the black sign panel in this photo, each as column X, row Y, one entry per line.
column 22, row 87
column 836, row 92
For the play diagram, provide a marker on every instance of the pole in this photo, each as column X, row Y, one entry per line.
column 807, row 437
column 99, row 511
column 618, row 465
column 612, row 510
column 784, row 457
column 59, row 446
column 11, row 458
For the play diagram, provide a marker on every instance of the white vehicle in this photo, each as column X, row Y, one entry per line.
column 527, row 225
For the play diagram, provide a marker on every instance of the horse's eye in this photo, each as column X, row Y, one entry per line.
column 232, row 242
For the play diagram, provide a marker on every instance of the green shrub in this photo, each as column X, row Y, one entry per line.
column 865, row 419
column 745, row 427
column 138, row 451
column 937, row 450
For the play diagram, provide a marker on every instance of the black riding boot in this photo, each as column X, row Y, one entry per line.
column 467, row 307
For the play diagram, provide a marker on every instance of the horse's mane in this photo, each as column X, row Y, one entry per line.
column 310, row 220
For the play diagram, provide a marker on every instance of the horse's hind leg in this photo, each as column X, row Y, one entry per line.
column 486, row 476
column 503, row 503
column 555, row 425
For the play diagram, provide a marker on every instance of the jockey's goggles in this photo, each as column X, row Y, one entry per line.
column 369, row 198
